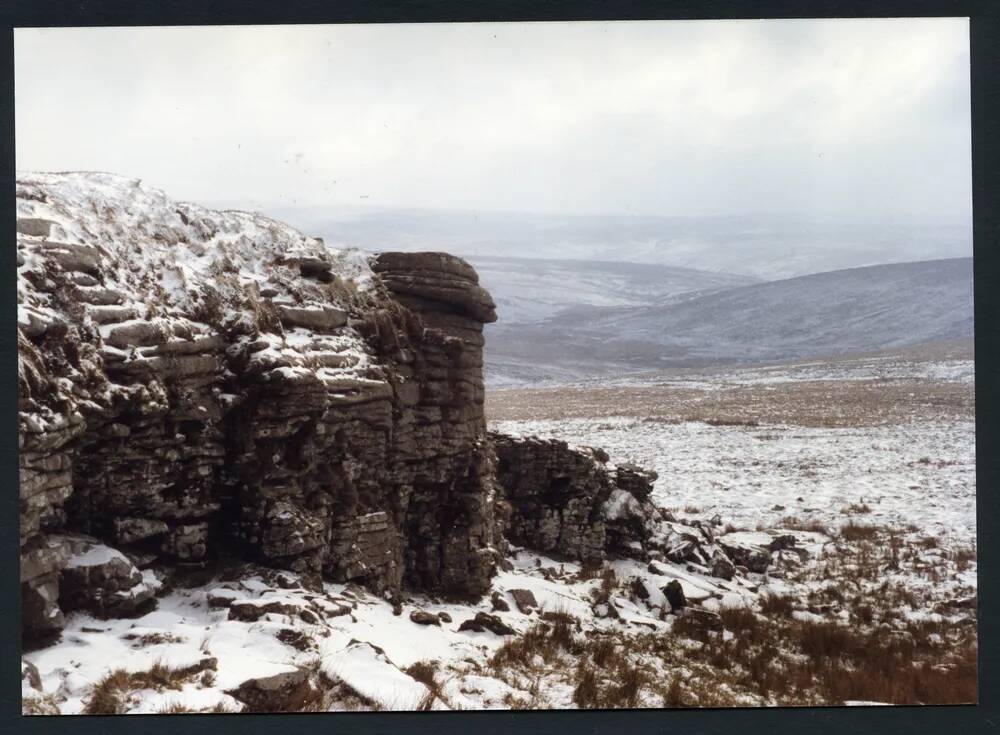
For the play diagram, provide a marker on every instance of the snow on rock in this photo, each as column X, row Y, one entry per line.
column 194, row 382
column 920, row 472
column 372, row 676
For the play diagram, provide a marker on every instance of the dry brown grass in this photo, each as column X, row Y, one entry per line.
column 109, row 695
column 617, row 684
column 821, row 403
column 725, row 421
column 793, row 523
column 859, row 508
column 40, row 704
column 543, row 639
column 777, row 605
column 852, row 531
column 876, row 653
column 586, row 692
column 426, row 672
column 793, row 662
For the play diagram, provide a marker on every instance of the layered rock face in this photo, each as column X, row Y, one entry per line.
column 197, row 385
column 571, row 502
column 200, row 390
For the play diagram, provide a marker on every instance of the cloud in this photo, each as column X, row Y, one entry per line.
column 852, row 117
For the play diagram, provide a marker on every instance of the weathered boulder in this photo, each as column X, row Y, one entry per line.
column 102, row 580
column 525, row 600
column 34, row 226
column 754, row 557
column 675, row 595
column 320, row 318
column 419, row 278
column 498, row 603
column 485, row 622
column 422, row 617
column 555, row 494
column 30, row 676
column 723, row 568
column 278, row 692
column 364, row 671
column 249, row 611
column 703, row 621
column 638, row 588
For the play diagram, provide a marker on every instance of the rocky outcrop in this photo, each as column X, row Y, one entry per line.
column 571, row 502
column 199, row 385
column 203, row 390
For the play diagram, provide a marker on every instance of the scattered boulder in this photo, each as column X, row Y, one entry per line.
column 684, row 547
column 525, row 600
column 704, row 620
column 422, row 617
column 753, row 557
column 278, row 692
column 72, row 257
column 297, row 639
column 782, row 541
column 499, row 604
column 102, row 580
column 137, row 333
column 485, row 622
column 250, row 611
column 222, row 597
column 638, row 588
column 569, row 501
column 675, row 595
column 723, row 568
column 606, row 609
column 366, row 672
column 34, row 226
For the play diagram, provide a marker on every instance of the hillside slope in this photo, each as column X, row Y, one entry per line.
column 838, row 312
column 533, row 289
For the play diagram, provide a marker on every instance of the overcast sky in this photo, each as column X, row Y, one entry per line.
column 855, row 118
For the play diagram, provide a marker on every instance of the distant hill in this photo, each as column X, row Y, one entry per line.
column 763, row 247
column 833, row 313
column 528, row 290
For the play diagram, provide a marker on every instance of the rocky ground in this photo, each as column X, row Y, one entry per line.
column 872, row 600
column 257, row 475
column 869, row 462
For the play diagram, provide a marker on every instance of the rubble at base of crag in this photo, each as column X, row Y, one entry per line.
column 571, row 502
column 199, row 388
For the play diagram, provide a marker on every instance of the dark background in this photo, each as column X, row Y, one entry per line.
column 985, row 82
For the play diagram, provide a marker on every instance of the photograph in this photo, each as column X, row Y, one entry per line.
column 461, row 366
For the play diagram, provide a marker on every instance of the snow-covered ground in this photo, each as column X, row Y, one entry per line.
column 906, row 490
column 921, row 474
column 347, row 634
column 880, row 499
